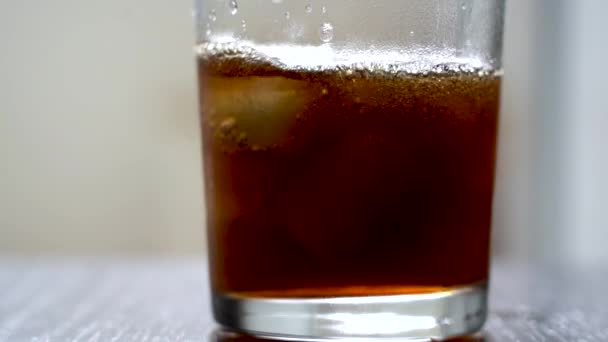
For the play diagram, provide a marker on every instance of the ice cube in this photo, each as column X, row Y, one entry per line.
column 257, row 111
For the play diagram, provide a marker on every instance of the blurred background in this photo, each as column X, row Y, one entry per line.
column 99, row 140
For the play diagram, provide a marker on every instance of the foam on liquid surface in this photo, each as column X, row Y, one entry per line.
column 414, row 60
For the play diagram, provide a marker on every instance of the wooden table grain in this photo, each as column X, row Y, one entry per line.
column 167, row 300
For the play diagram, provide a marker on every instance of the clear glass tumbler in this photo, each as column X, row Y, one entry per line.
column 349, row 152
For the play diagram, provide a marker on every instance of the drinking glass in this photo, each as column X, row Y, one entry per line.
column 349, row 154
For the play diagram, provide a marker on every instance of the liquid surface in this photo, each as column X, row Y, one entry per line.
column 346, row 180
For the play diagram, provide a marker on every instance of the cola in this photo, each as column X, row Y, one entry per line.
column 346, row 180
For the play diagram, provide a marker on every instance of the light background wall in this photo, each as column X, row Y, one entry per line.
column 584, row 132
column 99, row 142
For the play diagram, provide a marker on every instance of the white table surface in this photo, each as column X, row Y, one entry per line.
column 167, row 300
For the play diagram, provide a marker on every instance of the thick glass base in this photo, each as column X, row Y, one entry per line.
column 439, row 315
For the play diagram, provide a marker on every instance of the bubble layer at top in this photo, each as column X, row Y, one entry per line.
column 416, row 60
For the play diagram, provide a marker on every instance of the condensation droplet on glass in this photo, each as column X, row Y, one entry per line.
column 287, row 15
column 212, row 16
column 308, row 8
column 327, row 32
column 323, row 9
column 234, row 6
column 208, row 30
column 444, row 321
column 294, row 30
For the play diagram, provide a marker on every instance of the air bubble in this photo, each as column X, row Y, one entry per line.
column 327, row 32
column 308, row 8
column 234, row 6
column 323, row 9
column 227, row 124
column 324, row 91
column 242, row 138
column 277, row 1
column 464, row 7
column 287, row 15
column 412, row 33
column 212, row 16
column 210, row 47
column 208, row 30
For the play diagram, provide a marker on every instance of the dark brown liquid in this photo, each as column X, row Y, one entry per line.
column 346, row 182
